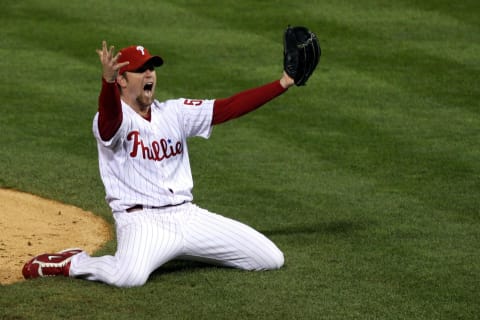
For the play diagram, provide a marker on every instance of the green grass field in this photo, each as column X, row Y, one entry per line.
column 367, row 178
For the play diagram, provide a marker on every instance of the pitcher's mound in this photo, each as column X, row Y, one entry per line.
column 31, row 225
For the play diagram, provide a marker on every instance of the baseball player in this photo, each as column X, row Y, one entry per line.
column 144, row 165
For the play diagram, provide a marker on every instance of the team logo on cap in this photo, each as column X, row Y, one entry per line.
column 141, row 49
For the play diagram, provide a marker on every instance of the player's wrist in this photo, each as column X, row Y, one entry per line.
column 109, row 80
column 286, row 81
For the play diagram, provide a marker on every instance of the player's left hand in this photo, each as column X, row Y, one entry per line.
column 109, row 62
column 301, row 54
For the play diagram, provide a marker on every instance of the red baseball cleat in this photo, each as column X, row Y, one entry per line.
column 50, row 264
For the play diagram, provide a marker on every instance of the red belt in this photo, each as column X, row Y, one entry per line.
column 140, row 207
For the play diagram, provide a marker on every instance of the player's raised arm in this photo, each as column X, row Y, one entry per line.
column 247, row 101
column 109, row 105
column 301, row 56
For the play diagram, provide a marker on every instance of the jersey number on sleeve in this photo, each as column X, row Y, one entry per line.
column 192, row 102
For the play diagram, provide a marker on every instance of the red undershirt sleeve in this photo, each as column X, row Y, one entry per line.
column 109, row 110
column 245, row 101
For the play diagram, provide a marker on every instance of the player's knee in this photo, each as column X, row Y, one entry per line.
column 130, row 277
column 130, row 282
column 136, row 283
column 274, row 261
column 277, row 260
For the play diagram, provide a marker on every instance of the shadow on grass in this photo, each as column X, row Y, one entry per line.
column 178, row 266
column 333, row 227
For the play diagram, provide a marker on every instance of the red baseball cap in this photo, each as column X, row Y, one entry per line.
column 137, row 56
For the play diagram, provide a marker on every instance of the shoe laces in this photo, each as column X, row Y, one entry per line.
column 48, row 269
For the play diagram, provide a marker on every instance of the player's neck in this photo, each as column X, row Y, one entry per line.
column 144, row 112
column 142, row 109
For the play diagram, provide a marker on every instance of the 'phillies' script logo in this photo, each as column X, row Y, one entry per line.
column 158, row 150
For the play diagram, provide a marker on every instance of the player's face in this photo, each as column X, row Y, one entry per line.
column 140, row 85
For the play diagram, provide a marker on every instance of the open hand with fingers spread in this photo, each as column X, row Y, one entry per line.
column 109, row 62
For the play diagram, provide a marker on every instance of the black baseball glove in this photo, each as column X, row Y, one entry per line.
column 301, row 53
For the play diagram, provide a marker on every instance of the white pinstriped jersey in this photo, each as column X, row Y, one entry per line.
column 146, row 162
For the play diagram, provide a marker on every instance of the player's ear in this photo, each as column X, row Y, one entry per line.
column 122, row 80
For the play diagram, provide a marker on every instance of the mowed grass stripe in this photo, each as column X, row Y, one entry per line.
column 366, row 177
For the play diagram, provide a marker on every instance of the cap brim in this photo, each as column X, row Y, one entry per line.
column 157, row 61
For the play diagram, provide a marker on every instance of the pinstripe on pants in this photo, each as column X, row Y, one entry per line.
column 147, row 239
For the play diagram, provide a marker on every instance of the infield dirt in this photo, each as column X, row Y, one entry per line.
column 31, row 225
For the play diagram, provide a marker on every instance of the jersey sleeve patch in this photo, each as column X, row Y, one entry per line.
column 192, row 102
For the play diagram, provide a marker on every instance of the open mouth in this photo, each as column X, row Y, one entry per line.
column 148, row 86
column 148, row 89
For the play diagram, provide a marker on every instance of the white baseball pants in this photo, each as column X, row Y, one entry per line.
column 147, row 239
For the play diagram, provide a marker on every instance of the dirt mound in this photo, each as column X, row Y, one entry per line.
column 31, row 225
